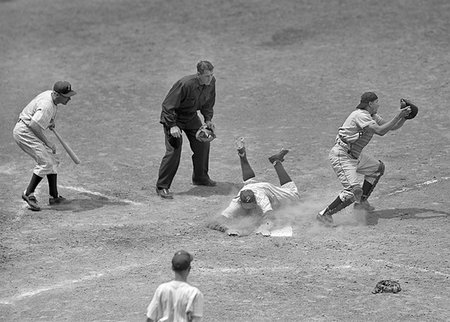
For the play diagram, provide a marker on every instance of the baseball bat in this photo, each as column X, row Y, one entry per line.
column 67, row 148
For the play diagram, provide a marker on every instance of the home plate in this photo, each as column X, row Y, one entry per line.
column 282, row 232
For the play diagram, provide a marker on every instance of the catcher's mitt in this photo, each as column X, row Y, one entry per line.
column 205, row 134
column 407, row 103
column 387, row 286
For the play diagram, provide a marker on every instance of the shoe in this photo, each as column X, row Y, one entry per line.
column 324, row 217
column 31, row 201
column 60, row 200
column 164, row 193
column 208, row 183
column 364, row 205
column 279, row 156
column 240, row 146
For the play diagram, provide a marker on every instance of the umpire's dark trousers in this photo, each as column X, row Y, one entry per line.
column 171, row 160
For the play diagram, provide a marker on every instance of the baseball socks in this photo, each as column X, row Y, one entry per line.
column 28, row 195
column 276, row 161
column 247, row 171
column 54, row 198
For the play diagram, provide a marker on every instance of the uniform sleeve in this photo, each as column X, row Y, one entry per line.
column 44, row 114
column 378, row 119
column 171, row 103
column 233, row 210
column 154, row 311
column 195, row 306
column 363, row 120
column 264, row 203
column 207, row 109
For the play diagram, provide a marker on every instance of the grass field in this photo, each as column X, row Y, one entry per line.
column 288, row 74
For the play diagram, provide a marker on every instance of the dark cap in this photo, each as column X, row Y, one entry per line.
column 366, row 98
column 64, row 88
column 247, row 196
column 181, row 260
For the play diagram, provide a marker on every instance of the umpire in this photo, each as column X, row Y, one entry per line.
column 179, row 113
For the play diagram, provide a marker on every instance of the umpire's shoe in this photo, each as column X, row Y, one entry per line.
column 279, row 156
column 31, row 201
column 164, row 193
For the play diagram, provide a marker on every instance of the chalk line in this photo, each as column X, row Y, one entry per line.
column 83, row 190
column 65, row 284
column 418, row 185
column 424, row 270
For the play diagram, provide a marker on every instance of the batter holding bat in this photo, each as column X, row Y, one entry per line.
column 28, row 133
column 348, row 160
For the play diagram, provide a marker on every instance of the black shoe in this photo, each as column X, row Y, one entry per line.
column 208, row 183
column 31, row 201
column 279, row 156
column 325, row 218
column 164, row 193
column 60, row 200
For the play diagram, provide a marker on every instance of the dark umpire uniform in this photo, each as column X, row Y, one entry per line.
column 185, row 98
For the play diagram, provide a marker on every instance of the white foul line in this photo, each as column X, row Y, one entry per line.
column 417, row 185
column 424, row 270
column 79, row 189
column 64, row 284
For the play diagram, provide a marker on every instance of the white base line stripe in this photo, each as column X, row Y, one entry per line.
column 424, row 270
column 417, row 185
column 79, row 189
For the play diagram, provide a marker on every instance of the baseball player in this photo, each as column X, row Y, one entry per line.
column 179, row 113
column 177, row 301
column 257, row 198
column 28, row 133
column 348, row 160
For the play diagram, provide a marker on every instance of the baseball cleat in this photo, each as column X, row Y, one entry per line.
column 240, row 146
column 164, row 193
column 279, row 156
column 364, row 205
column 324, row 218
column 31, row 201
column 60, row 200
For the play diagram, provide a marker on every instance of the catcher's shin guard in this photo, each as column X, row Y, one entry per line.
column 368, row 187
column 337, row 205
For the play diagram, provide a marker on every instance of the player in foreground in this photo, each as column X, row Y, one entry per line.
column 28, row 133
column 348, row 160
column 177, row 300
column 179, row 114
column 256, row 200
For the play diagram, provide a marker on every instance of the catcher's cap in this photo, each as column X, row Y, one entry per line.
column 366, row 98
column 181, row 261
column 247, row 196
column 64, row 88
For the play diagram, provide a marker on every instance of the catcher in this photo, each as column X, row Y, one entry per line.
column 256, row 201
column 348, row 160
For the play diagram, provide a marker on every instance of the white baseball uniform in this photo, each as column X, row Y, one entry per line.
column 268, row 197
column 175, row 301
column 43, row 111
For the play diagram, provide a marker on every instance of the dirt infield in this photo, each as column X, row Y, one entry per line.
column 288, row 73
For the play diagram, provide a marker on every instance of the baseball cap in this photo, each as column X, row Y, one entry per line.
column 247, row 196
column 366, row 98
column 181, row 260
column 64, row 88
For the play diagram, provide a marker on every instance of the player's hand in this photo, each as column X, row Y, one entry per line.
column 210, row 125
column 233, row 232
column 404, row 112
column 52, row 146
column 175, row 131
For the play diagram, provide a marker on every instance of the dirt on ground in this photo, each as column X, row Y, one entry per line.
column 288, row 74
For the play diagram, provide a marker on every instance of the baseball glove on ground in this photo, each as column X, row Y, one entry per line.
column 407, row 103
column 387, row 286
column 205, row 134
